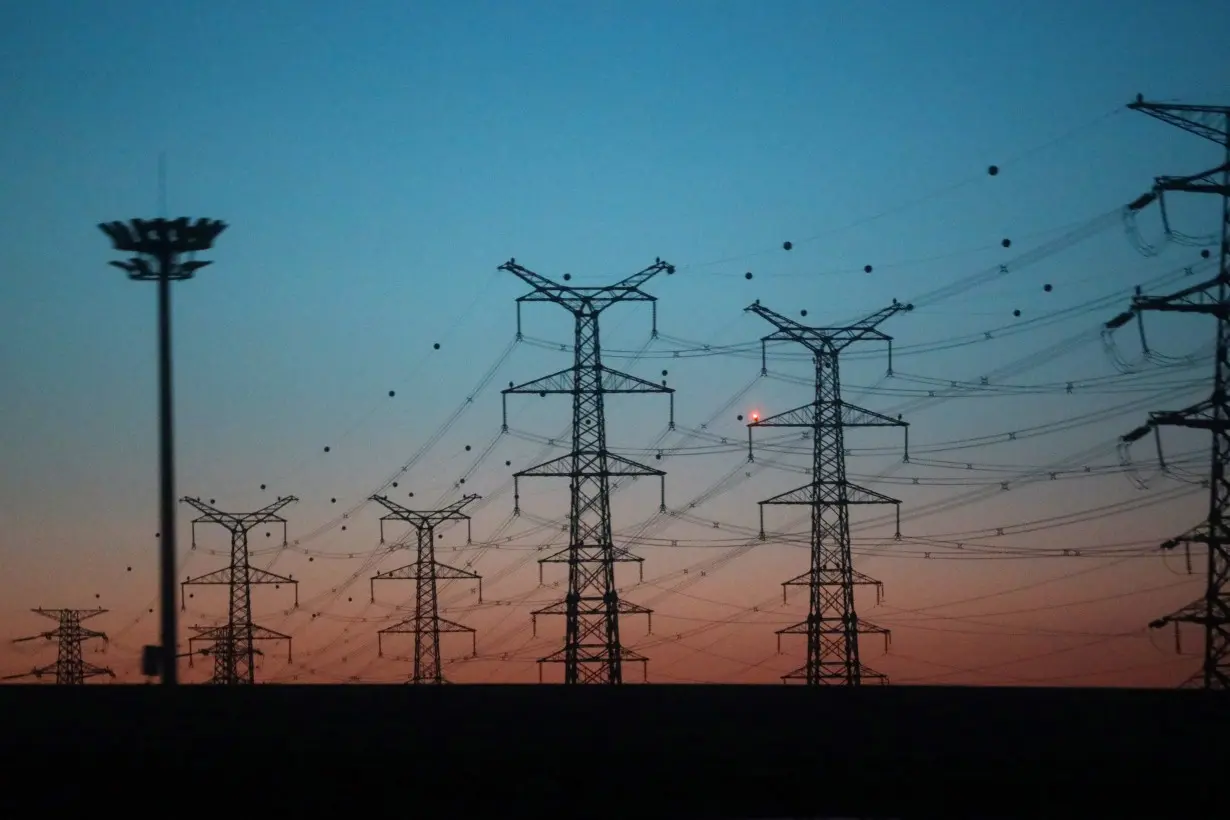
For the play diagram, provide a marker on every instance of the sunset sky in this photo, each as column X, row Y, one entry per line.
column 376, row 161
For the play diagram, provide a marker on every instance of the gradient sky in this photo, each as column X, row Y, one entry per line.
column 377, row 160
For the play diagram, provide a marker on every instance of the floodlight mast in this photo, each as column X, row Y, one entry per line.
column 160, row 247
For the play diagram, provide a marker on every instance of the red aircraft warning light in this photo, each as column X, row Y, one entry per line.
column 755, row 416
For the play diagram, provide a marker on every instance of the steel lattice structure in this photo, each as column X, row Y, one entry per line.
column 832, row 626
column 233, row 644
column 70, row 667
column 1211, row 298
column 592, row 651
column 426, row 624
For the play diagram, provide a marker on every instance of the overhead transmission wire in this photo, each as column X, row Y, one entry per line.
column 474, row 466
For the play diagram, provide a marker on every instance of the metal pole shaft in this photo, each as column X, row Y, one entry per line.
column 166, row 505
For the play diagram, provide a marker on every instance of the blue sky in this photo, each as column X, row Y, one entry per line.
column 377, row 160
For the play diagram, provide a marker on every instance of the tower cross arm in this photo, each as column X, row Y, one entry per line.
column 827, row 340
column 544, row 288
column 1204, row 182
column 562, row 381
column 420, row 519
column 630, row 288
column 1201, row 298
column 565, row 466
column 788, row 329
column 212, row 515
column 1195, row 119
column 591, row 299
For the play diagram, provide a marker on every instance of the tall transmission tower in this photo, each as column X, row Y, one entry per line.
column 70, row 667
column 426, row 624
column 232, row 644
column 592, row 651
column 832, row 626
column 1211, row 298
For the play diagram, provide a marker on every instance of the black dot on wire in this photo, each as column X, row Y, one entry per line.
column 326, row 448
column 507, row 463
column 1047, row 288
column 787, row 245
column 411, row 495
column 866, row 268
column 436, row 346
column 211, row 501
column 262, row 486
column 394, row 483
column 802, row 312
column 1016, row 313
column 467, row 448
column 392, row 393
column 993, row 170
column 567, row 277
column 658, row 456
column 1204, row 254
column 740, row 417
column 1007, row 243
column 332, row 500
column 747, row 275
column 663, row 372
column 463, row 481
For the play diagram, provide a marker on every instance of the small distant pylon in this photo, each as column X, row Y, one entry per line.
column 232, row 644
column 832, row 626
column 426, row 623
column 70, row 667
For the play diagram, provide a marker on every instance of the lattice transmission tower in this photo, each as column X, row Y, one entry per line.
column 592, row 651
column 233, row 644
column 426, row 625
column 70, row 667
column 832, row 626
column 1211, row 298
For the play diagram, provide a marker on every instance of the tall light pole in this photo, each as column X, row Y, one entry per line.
column 165, row 252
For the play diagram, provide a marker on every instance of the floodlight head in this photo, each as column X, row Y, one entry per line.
column 159, row 243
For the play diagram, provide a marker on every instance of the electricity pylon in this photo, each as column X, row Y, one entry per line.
column 832, row 626
column 70, row 668
column 592, row 651
column 233, row 643
column 426, row 624
column 1211, row 298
